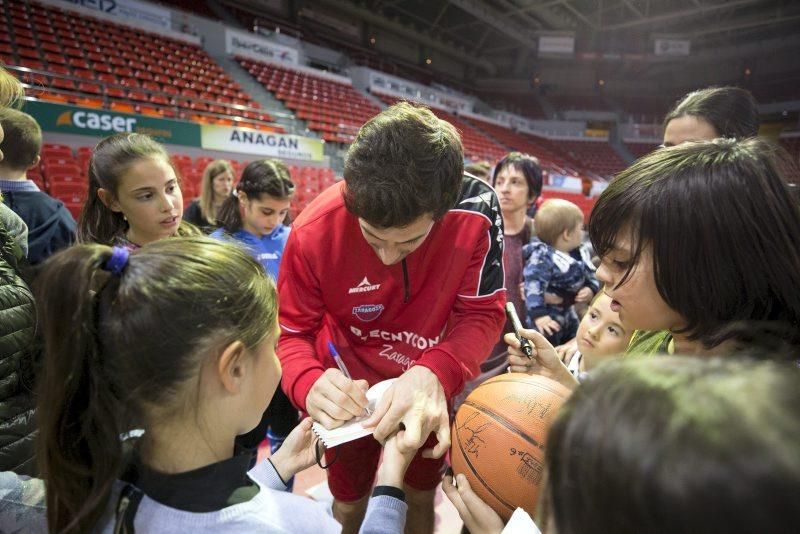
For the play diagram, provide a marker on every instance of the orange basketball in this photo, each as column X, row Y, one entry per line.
column 499, row 437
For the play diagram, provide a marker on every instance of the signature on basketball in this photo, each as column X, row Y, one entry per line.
column 528, row 406
column 474, row 442
column 529, row 468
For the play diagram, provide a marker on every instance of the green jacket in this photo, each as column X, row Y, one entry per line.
column 649, row 343
column 17, row 324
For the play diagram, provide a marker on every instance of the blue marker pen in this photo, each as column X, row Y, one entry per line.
column 340, row 364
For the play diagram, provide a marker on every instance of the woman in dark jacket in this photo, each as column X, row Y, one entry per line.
column 17, row 324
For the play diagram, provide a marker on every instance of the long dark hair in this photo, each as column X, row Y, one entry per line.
column 116, row 347
column 110, row 159
column 262, row 177
column 732, row 111
column 724, row 231
column 674, row 445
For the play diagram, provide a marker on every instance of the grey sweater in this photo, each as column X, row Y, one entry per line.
column 22, row 509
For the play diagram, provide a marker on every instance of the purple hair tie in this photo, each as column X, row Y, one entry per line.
column 118, row 260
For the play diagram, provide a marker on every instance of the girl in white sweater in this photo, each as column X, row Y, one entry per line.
column 178, row 340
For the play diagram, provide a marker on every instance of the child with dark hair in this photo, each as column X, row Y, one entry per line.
column 254, row 216
column 669, row 445
column 176, row 339
column 723, row 432
column 742, row 252
column 549, row 268
column 712, row 112
column 50, row 225
column 401, row 268
column 724, row 209
column 134, row 194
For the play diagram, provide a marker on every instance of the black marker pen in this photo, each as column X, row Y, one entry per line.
column 524, row 344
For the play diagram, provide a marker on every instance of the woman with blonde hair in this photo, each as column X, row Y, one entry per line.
column 216, row 187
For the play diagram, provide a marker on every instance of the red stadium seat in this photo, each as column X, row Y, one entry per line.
column 71, row 194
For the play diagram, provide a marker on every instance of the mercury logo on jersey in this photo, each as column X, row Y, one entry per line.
column 364, row 286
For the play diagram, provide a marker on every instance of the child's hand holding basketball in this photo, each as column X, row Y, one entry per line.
column 545, row 360
column 476, row 514
column 298, row 451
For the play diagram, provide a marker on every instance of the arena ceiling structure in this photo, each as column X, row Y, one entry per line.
column 497, row 45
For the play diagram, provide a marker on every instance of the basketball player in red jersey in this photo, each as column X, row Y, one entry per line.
column 400, row 267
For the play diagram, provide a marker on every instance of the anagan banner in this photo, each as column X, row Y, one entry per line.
column 100, row 123
column 269, row 144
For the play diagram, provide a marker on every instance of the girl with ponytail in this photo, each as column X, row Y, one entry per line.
column 253, row 217
column 134, row 194
column 255, row 214
column 175, row 341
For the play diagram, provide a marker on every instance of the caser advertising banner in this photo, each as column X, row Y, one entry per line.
column 101, row 123
column 269, row 144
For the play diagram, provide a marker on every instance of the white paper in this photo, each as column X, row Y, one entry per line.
column 352, row 429
column 521, row 523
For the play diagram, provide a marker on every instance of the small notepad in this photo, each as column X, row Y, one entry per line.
column 352, row 429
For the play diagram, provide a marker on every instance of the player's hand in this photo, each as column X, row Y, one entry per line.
column 417, row 400
column 334, row 399
column 476, row 514
column 547, row 325
column 584, row 295
column 544, row 362
column 298, row 451
column 567, row 350
column 395, row 461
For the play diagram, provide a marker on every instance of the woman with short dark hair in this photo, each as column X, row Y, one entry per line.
column 700, row 245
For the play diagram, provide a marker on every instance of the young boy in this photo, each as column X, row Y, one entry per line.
column 601, row 335
column 50, row 225
column 549, row 268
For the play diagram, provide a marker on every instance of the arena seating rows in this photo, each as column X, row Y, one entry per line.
column 640, row 149
column 598, row 156
column 96, row 63
column 548, row 156
column 332, row 108
column 64, row 175
column 477, row 146
column 584, row 103
column 72, row 58
column 583, row 202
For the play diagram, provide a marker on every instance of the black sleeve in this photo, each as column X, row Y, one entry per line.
column 390, row 491
column 479, row 197
column 193, row 215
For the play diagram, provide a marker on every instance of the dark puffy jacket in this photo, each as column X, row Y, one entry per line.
column 17, row 323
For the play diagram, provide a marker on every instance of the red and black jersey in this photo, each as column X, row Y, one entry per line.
column 441, row 307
